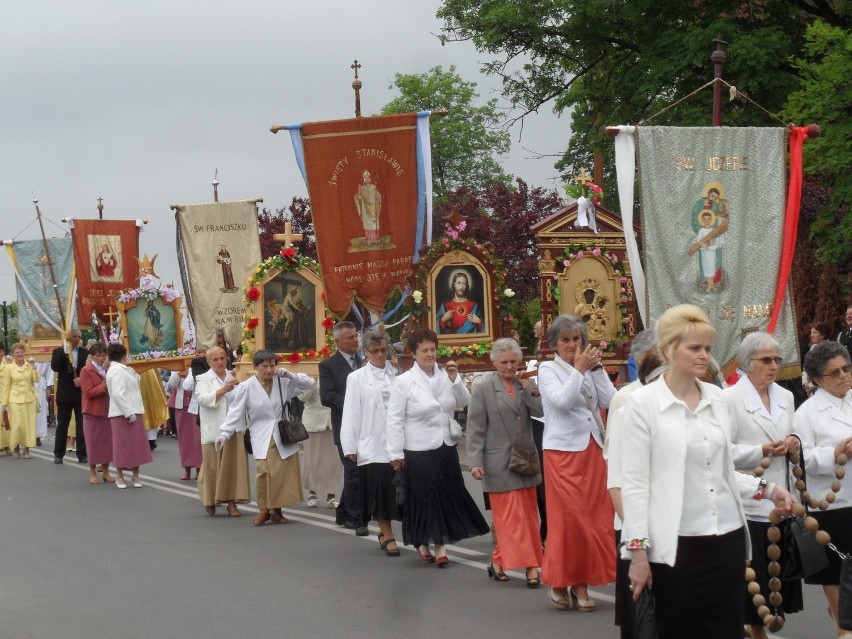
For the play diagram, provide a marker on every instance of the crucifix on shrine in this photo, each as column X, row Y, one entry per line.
column 110, row 315
column 356, row 84
column 288, row 237
column 582, row 179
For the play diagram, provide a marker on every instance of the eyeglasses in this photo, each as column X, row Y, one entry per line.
column 378, row 350
column 766, row 361
column 837, row 372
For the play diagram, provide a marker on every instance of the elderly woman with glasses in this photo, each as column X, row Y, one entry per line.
column 499, row 418
column 825, row 424
column 761, row 431
column 580, row 536
column 363, row 437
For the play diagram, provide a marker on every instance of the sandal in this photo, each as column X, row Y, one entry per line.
column 383, row 544
column 426, row 557
column 495, row 575
column 583, row 605
column 534, row 582
column 560, row 601
column 262, row 517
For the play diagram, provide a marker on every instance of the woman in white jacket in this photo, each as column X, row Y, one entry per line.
column 259, row 402
column 763, row 422
column 130, row 447
column 438, row 509
column 224, row 475
column 684, row 524
column 363, row 437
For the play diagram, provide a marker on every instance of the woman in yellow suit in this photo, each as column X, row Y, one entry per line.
column 19, row 401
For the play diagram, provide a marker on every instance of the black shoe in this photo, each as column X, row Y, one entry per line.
column 38, row 441
column 362, row 531
column 83, row 460
column 57, row 460
column 346, row 524
column 153, row 444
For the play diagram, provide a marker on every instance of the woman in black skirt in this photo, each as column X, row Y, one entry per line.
column 825, row 424
column 362, row 437
column 761, row 431
column 422, row 439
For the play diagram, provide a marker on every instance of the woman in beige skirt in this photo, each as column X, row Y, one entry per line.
column 259, row 402
column 224, row 476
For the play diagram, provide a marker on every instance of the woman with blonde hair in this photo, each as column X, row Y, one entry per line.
column 682, row 497
column 19, row 401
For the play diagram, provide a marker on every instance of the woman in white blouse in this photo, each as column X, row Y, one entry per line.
column 580, row 536
column 363, row 437
column 224, row 475
column 130, row 447
column 681, row 495
column 825, row 424
column 761, row 428
column 438, row 509
column 259, row 402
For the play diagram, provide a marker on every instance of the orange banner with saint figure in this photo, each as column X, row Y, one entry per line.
column 105, row 253
column 362, row 181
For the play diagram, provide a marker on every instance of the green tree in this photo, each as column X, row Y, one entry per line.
column 825, row 96
column 467, row 142
column 615, row 62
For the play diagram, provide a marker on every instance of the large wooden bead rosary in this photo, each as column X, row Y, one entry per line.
column 771, row 619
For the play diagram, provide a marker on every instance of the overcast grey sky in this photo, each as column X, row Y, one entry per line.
column 140, row 102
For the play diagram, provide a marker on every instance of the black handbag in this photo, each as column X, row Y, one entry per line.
column 290, row 426
column 844, row 609
column 805, row 555
column 645, row 626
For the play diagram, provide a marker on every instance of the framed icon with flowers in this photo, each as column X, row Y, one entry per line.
column 285, row 309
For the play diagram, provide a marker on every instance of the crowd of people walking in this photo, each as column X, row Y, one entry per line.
column 667, row 486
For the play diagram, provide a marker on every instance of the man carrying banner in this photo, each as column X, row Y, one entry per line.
column 69, row 397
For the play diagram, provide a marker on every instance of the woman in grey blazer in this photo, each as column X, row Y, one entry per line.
column 498, row 418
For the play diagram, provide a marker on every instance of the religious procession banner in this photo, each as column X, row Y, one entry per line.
column 105, row 253
column 368, row 180
column 218, row 247
column 713, row 215
column 38, row 309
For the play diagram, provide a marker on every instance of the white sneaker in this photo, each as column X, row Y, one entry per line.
column 313, row 502
column 332, row 503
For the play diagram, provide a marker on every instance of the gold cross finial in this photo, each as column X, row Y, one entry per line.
column 288, row 237
column 110, row 315
column 583, row 179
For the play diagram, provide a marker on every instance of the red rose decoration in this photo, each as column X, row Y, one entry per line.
column 325, row 351
column 311, row 353
column 328, row 323
column 253, row 294
column 280, row 358
column 294, row 358
column 252, row 323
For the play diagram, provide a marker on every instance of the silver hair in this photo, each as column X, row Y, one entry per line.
column 642, row 342
column 505, row 345
column 375, row 337
column 340, row 326
column 565, row 323
column 751, row 345
column 818, row 357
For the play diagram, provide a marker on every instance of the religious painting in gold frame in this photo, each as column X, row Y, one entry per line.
column 590, row 289
column 461, row 291
column 151, row 325
column 291, row 308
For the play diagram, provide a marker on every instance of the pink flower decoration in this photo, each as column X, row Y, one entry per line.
column 623, row 280
column 617, row 272
column 596, row 252
column 603, row 345
column 555, row 276
column 571, row 256
column 596, row 200
column 566, row 263
column 623, row 290
column 623, row 299
column 580, row 255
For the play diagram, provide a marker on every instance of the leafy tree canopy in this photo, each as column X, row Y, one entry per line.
column 467, row 142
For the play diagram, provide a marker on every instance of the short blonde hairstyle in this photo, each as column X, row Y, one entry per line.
column 678, row 322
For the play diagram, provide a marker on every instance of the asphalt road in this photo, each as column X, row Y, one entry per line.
column 95, row 561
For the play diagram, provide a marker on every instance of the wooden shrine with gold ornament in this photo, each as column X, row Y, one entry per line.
column 587, row 274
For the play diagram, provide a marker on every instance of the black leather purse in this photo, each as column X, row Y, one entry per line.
column 290, row 426
column 805, row 555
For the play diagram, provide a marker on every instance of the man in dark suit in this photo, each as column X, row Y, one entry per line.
column 845, row 337
column 332, row 381
column 69, row 397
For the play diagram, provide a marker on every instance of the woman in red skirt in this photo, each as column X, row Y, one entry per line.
column 580, row 535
